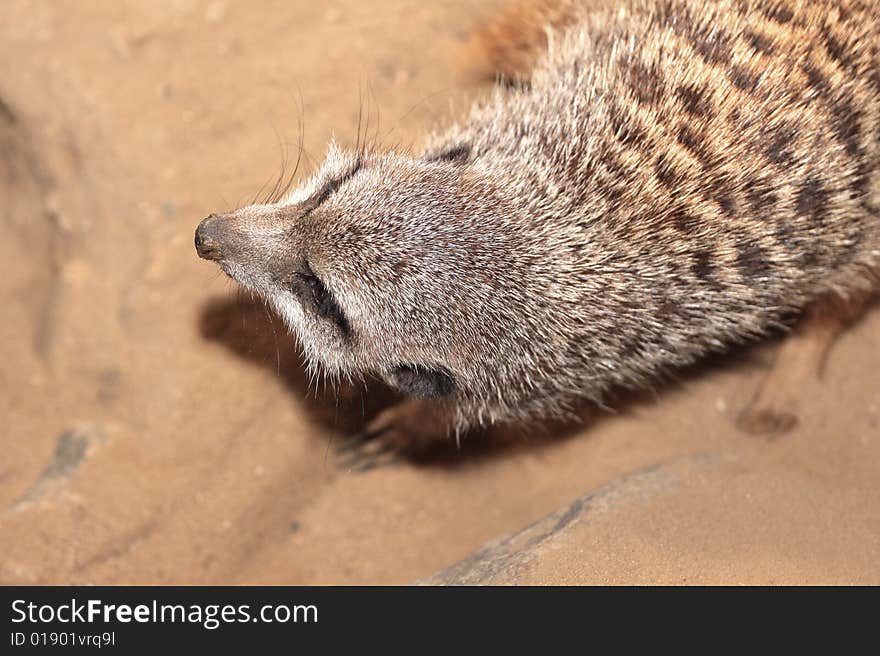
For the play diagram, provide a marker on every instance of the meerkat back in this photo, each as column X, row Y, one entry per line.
column 659, row 180
column 712, row 166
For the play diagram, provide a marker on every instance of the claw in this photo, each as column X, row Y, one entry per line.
column 355, row 442
column 395, row 434
column 369, row 449
column 387, row 460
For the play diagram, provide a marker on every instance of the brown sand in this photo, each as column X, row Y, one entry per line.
column 150, row 432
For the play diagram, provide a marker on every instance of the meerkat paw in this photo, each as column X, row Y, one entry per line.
column 799, row 363
column 406, row 429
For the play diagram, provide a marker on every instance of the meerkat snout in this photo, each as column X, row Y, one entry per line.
column 207, row 243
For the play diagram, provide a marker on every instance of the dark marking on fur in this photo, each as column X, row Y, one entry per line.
column 846, row 117
column 761, row 198
column 743, row 78
column 816, row 79
column 645, row 82
column 812, row 201
column 423, row 383
column 666, row 173
column 630, row 348
column 703, row 267
column 847, row 124
column 315, row 296
column 547, row 144
column 735, row 118
column 721, row 191
column 759, row 42
column 330, row 188
column 752, row 260
column 628, row 132
column 810, row 256
column 711, row 44
column 618, row 170
column 695, row 144
column 838, row 51
column 874, row 76
column 778, row 148
column 458, row 154
column 776, row 11
column 613, row 195
column 694, row 99
column 684, row 220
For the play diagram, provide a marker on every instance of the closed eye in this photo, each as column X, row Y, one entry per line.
column 313, row 292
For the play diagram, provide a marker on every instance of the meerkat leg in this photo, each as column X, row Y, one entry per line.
column 410, row 427
column 800, row 360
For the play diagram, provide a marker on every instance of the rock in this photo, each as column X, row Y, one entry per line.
column 511, row 559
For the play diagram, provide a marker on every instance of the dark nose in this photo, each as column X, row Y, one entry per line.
column 207, row 245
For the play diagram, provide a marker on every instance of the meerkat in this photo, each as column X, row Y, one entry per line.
column 663, row 179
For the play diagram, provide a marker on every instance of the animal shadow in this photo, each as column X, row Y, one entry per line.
column 256, row 334
column 253, row 332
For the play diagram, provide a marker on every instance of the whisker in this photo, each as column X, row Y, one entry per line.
column 275, row 337
column 283, row 147
column 259, row 192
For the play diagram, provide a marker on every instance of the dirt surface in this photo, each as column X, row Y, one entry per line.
column 157, row 427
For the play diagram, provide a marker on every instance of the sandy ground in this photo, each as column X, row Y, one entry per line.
column 156, row 427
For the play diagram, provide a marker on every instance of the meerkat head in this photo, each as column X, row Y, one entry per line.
column 381, row 264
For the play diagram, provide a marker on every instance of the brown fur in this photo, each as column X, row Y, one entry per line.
column 677, row 176
column 510, row 45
